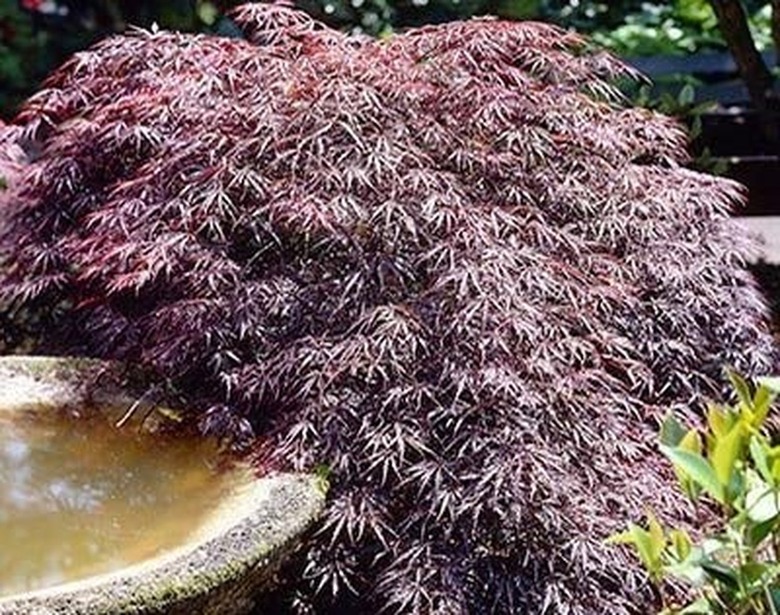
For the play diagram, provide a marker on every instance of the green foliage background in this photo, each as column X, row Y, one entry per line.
column 31, row 45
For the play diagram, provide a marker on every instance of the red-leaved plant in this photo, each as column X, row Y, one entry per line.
column 449, row 265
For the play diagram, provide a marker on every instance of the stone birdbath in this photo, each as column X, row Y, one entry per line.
column 221, row 566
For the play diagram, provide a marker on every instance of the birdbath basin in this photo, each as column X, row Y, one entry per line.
column 103, row 511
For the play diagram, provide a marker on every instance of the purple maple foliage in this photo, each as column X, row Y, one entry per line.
column 12, row 156
column 450, row 265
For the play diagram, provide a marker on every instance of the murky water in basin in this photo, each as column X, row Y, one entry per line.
column 78, row 497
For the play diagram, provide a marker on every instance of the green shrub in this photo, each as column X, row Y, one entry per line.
column 734, row 465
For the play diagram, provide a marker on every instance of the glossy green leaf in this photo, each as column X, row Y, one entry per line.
column 620, row 538
column 688, row 569
column 657, row 536
column 672, row 430
column 741, row 388
column 698, row 469
column 718, row 419
column 681, row 543
column 691, row 442
column 721, row 573
column 649, row 545
column 725, row 454
column 758, row 532
column 753, row 572
column 770, row 382
column 643, row 543
column 759, row 454
column 762, row 503
column 762, row 403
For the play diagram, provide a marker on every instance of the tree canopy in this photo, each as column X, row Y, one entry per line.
column 36, row 35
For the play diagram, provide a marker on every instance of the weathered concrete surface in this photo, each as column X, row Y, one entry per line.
column 767, row 230
column 30, row 383
column 234, row 555
column 77, row 386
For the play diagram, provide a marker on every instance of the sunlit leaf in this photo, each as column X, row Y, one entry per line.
column 681, row 543
column 771, row 383
column 719, row 419
column 762, row 503
column 725, row 455
column 699, row 469
column 741, row 388
column 762, row 403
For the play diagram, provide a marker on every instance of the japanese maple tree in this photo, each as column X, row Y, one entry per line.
column 451, row 265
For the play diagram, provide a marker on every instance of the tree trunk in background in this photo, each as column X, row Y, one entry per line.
column 734, row 27
column 776, row 29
